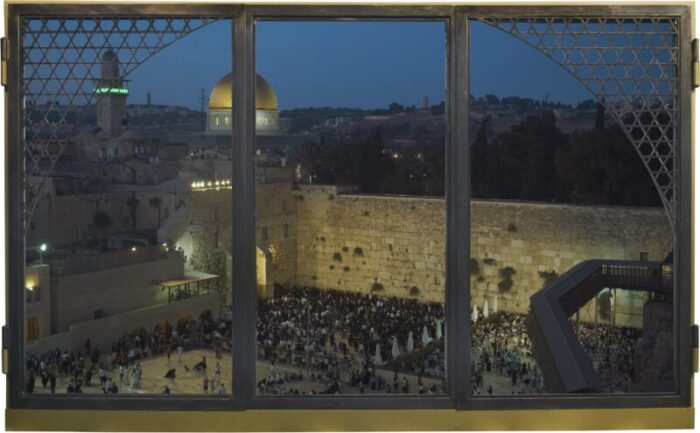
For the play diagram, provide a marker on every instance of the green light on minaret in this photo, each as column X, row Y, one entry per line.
column 111, row 91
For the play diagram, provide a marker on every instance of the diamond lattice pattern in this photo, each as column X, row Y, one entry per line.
column 61, row 66
column 631, row 66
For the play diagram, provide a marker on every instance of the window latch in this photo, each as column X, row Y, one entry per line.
column 695, row 64
column 4, row 56
column 5, row 349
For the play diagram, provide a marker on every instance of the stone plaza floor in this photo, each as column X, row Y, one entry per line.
column 191, row 382
column 153, row 372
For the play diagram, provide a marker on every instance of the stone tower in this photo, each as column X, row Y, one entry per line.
column 111, row 96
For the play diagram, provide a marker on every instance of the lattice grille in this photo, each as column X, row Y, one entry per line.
column 62, row 60
column 631, row 66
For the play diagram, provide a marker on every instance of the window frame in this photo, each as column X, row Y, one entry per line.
column 457, row 199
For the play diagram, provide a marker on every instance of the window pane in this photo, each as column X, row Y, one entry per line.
column 128, row 221
column 350, row 207
column 572, row 250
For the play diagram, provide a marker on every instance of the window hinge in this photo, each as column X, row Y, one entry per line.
column 5, row 56
column 695, row 65
column 5, row 349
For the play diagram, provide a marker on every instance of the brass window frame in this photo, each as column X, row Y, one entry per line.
column 458, row 407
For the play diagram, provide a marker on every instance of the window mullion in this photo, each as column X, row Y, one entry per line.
column 243, row 224
column 457, row 209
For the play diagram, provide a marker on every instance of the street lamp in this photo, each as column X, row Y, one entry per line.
column 42, row 250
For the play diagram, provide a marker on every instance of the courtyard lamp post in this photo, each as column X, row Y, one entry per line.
column 42, row 250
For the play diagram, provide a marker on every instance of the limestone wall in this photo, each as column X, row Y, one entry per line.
column 204, row 231
column 351, row 242
column 312, row 235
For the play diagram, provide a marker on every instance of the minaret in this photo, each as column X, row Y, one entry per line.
column 111, row 96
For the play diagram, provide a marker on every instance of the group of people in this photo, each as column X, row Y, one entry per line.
column 342, row 336
column 612, row 352
column 81, row 365
column 332, row 342
column 502, row 347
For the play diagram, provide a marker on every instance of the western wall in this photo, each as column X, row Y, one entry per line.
column 395, row 246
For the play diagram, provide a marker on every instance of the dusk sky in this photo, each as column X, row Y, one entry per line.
column 352, row 64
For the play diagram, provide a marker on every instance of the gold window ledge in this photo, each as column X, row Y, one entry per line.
column 349, row 420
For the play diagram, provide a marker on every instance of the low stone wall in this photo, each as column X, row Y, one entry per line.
column 113, row 291
column 106, row 330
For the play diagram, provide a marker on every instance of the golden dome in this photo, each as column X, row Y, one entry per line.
column 221, row 94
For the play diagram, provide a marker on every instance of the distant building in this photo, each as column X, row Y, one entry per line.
column 271, row 136
column 111, row 94
column 220, row 107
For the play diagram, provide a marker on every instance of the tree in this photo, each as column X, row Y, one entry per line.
column 395, row 107
column 372, row 163
column 522, row 164
column 601, row 167
column 491, row 99
column 133, row 203
column 479, row 155
column 600, row 116
column 156, row 202
column 318, row 160
column 101, row 219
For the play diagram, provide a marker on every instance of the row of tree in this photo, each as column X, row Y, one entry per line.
column 361, row 160
column 534, row 160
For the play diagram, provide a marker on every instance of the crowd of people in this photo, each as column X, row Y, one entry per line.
column 332, row 342
column 501, row 347
column 612, row 353
column 125, row 355
column 343, row 337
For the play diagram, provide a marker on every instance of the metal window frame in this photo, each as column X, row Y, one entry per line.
column 457, row 183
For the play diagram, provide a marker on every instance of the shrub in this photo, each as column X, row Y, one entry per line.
column 337, row 257
column 414, row 291
column 102, row 219
column 505, row 285
column 474, row 266
column 512, row 228
column 507, row 272
column 490, row 261
column 346, row 249
column 358, row 252
column 346, row 268
column 548, row 276
column 377, row 286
